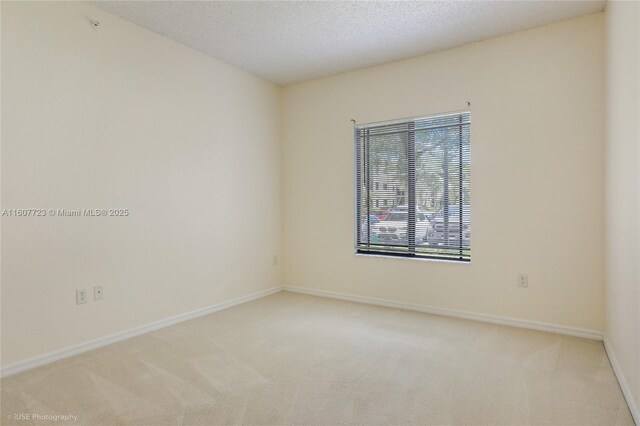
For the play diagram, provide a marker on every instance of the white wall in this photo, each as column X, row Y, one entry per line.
column 125, row 118
column 537, row 175
column 623, row 191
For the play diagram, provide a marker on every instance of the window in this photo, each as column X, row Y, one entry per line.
column 429, row 160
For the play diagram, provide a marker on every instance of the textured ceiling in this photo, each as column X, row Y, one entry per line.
column 291, row 41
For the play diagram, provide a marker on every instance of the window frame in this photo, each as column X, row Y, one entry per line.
column 410, row 197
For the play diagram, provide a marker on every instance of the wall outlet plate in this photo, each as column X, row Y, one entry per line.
column 98, row 292
column 523, row 280
column 275, row 259
column 81, row 296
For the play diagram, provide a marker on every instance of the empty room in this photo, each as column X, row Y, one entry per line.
column 320, row 213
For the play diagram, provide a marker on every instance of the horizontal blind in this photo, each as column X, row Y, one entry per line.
column 413, row 187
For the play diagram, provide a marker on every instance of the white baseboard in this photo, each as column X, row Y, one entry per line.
column 631, row 402
column 493, row 319
column 50, row 357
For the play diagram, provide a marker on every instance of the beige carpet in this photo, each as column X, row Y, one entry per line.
column 293, row 359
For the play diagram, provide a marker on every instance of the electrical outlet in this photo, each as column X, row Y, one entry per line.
column 98, row 293
column 523, row 280
column 81, row 296
column 275, row 259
